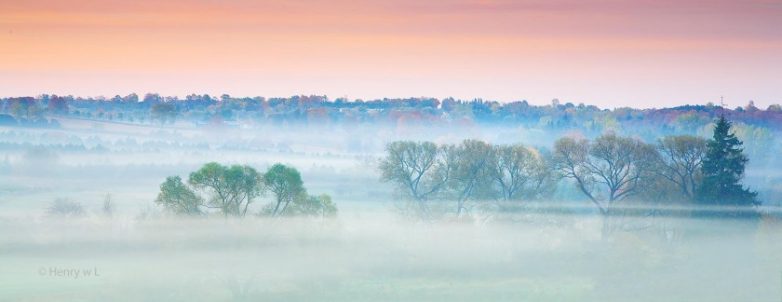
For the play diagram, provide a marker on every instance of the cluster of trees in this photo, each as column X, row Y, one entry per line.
column 755, row 126
column 472, row 170
column 153, row 108
column 606, row 170
column 229, row 190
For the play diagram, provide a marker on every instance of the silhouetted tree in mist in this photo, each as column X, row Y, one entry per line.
column 723, row 169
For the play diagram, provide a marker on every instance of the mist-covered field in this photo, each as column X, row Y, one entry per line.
column 370, row 251
column 372, row 256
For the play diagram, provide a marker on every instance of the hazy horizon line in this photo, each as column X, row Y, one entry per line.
column 728, row 105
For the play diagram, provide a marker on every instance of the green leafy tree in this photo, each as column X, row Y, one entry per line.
column 723, row 169
column 286, row 185
column 178, row 198
column 232, row 188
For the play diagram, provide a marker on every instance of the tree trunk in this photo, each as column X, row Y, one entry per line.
column 276, row 207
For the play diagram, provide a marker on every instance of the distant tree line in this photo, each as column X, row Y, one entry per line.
column 229, row 191
column 152, row 108
column 607, row 170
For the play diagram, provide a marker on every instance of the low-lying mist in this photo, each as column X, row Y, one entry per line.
column 558, row 249
column 379, row 256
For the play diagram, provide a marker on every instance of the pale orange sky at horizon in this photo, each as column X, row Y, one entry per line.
column 608, row 53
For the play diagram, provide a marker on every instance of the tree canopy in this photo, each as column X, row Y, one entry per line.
column 470, row 171
column 232, row 189
column 178, row 198
column 608, row 170
column 681, row 159
column 286, row 185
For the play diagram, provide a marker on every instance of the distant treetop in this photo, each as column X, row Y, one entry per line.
column 207, row 109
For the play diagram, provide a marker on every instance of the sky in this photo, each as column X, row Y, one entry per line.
column 604, row 52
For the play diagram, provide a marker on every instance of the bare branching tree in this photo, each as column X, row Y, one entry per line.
column 108, row 206
column 681, row 158
column 470, row 171
column 570, row 157
column 520, row 172
column 608, row 170
column 65, row 208
column 470, row 162
column 419, row 169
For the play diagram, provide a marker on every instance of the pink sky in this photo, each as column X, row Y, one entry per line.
column 609, row 53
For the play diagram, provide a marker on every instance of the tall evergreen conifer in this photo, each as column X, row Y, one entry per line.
column 723, row 169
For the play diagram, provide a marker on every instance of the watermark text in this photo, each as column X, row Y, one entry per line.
column 68, row 272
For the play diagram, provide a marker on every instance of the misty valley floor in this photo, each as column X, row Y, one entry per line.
column 380, row 257
column 368, row 253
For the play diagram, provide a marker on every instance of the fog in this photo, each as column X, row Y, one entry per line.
column 554, row 250
column 373, row 256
